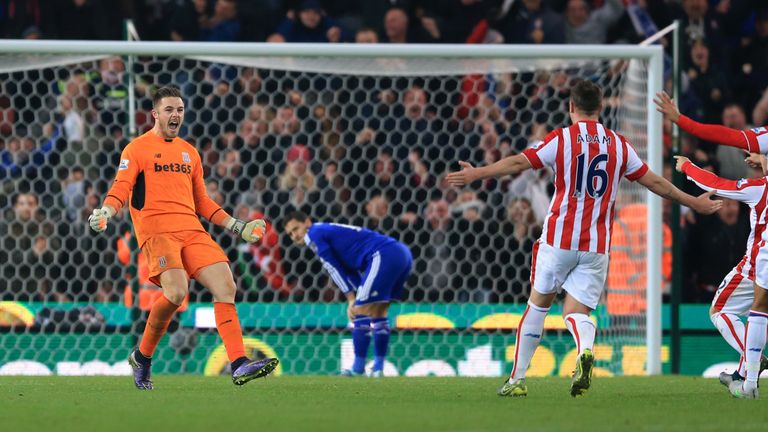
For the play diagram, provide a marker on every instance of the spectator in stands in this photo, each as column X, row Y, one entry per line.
column 286, row 122
column 257, row 196
column 526, row 227
column 111, row 92
column 267, row 262
column 752, row 62
column 415, row 103
column 228, row 170
column 398, row 29
column 468, row 206
column 699, row 22
column 715, row 245
column 297, row 185
column 709, row 88
column 224, row 25
column 187, row 20
column 420, row 176
column 27, row 236
column 32, row 33
column 376, row 209
column 72, row 19
column 12, row 159
column 366, row 35
column 532, row 21
column 440, row 268
column 74, row 190
column 585, row 27
column 731, row 159
column 309, row 24
column 74, row 128
column 214, row 191
column 760, row 113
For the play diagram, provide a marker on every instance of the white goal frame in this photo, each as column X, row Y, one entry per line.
column 652, row 54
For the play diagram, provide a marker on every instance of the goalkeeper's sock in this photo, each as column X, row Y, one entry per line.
column 732, row 330
column 583, row 330
column 239, row 362
column 361, row 339
column 380, row 342
column 755, row 342
column 529, row 334
column 159, row 317
column 228, row 325
column 142, row 359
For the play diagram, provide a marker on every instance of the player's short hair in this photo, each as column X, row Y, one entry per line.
column 164, row 92
column 587, row 96
column 297, row 216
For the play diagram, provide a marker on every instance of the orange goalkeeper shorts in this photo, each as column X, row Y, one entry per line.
column 188, row 250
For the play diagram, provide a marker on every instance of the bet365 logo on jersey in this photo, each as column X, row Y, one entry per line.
column 174, row 167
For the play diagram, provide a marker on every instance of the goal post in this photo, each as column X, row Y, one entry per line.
column 340, row 78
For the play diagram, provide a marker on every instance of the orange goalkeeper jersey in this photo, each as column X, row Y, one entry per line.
column 163, row 182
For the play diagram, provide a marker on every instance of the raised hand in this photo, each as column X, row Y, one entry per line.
column 704, row 203
column 465, row 176
column 679, row 162
column 666, row 105
column 98, row 219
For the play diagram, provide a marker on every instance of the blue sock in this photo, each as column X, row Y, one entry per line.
column 361, row 338
column 380, row 342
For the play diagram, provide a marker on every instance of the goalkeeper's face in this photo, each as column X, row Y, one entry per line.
column 297, row 230
column 169, row 115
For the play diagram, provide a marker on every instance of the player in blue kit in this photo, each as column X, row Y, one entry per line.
column 371, row 269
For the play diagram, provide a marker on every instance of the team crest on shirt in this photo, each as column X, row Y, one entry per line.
column 162, row 261
column 741, row 183
column 759, row 130
column 185, row 157
column 123, row 164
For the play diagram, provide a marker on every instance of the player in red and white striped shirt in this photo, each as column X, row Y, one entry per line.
column 589, row 160
column 754, row 141
column 736, row 293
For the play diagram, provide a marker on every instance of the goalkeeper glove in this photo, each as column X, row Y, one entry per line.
column 251, row 231
column 98, row 219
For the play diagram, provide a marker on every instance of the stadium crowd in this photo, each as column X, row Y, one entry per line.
column 365, row 151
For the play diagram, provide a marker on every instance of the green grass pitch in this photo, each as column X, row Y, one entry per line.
column 187, row 403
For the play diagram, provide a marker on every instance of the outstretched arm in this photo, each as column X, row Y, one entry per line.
column 508, row 166
column 251, row 231
column 663, row 188
column 746, row 191
column 710, row 132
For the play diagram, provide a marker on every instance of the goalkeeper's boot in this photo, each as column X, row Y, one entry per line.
column 351, row 373
column 252, row 369
column 141, row 372
column 738, row 391
column 727, row 378
column 582, row 376
column 516, row 388
column 376, row 374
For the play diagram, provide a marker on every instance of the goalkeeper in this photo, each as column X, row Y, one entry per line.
column 161, row 177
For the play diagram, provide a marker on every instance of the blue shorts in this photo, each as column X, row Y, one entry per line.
column 385, row 276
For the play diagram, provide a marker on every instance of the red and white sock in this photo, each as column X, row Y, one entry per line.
column 755, row 342
column 732, row 330
column 583, row 330
column 529, row 334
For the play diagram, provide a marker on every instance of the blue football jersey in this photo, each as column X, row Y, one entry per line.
column 345, row 250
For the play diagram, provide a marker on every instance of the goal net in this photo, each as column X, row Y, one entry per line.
column 363, row 139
